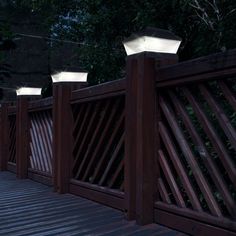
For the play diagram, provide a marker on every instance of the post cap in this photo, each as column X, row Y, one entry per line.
column 152, row 40
column 28, row 91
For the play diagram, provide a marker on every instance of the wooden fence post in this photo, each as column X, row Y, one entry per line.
column 140, row 157
column 22, row 137
column 4, row 137
column 130, row 138
column 62, row 134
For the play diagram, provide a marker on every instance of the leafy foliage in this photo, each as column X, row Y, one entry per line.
column 205, row 26
column 5, row 44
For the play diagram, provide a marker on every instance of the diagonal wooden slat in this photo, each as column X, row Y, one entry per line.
column 98, row 152
column 163, row 192
column 116, row 174
column 32, row 164
column 92, row 141
column 171, row 180
column 41, row 141
column 33, row 161
column 48, row 142
column 114, row 155
column 212, row 168
column 210, row 199
column 213, row 136
column 228, row 94
column 12, row 139
column 12, row 126
column 98, row 169
column 45, row 154
column 48, row 127
column 167, row 140
column 35, row 143
column 47, row 116
column 91, row 121
column 79, row 116
column 41, row 145
column 81, row 127
column 42, row 152
column 221, row 116
column 97, row 145
column 33, row 149
column 12, row 149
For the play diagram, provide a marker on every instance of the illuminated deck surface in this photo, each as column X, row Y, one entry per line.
column 30, row 208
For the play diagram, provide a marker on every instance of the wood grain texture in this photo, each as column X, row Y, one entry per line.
column 33, row 209
column 98, row 150
column 22, row 137
column 41, row 141
column 12, row 138
column 197, row 157
column 215, row 66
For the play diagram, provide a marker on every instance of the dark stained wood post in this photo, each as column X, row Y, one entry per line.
column 141, row 167
column 62, row 134
column 22, row 137
column 4, row 137
column 130, row 138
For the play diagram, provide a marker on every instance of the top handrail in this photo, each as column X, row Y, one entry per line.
column 41, row 104
column 100, row 91
column 216, row 66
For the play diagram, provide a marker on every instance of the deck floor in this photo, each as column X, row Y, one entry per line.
column 30, row 208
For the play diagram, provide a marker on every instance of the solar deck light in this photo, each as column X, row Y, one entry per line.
column 28, row 91
column 66, row 76
column 152, row 40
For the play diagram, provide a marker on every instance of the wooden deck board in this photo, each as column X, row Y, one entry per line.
column 30, row 208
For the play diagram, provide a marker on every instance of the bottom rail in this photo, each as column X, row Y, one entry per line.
column 40, row 177
column 99, row 194
column 191, row 222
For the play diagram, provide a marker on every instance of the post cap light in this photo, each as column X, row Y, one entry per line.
column 152, row 40
column 28, row 91
column 66, row 76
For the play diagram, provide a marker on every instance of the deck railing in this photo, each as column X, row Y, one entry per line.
column 197, row 143
column 159, row 145
column 98, row 144
column 40, row 139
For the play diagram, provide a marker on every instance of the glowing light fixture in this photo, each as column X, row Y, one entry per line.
column 66, row 76
column 152, row 40
column 27, row 91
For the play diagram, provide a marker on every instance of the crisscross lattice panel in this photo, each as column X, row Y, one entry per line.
column 12, row 138
column 197, row 158
column 41, row 141
column 99, row 142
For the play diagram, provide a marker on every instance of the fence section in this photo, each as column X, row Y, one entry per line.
column 183, row 173
column 98, row 150
column 196, row 154
column 40, row 140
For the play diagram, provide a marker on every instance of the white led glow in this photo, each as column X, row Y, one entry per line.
column 28, row 91
column 151, row 44
column 69, row 77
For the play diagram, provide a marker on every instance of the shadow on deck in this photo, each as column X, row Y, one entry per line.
column 30, row 208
